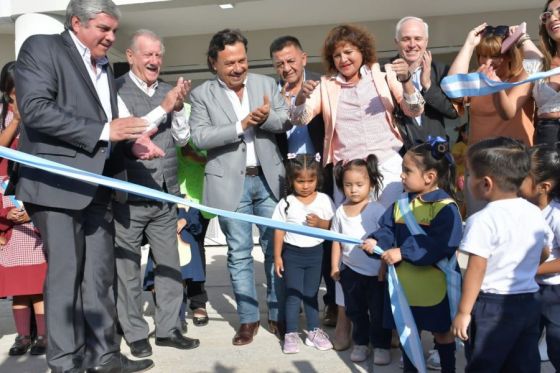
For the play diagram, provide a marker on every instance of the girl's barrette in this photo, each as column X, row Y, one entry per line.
column 440, row 148
column 291, row 155
column 318, row 157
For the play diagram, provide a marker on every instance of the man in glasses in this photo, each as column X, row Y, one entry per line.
column 411, row 39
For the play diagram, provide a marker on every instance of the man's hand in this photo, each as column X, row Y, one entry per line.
column 145, row 149
column 126, row 128
column 305, row 92
column 257, row 116
column 425, row 76
column 175, row 98
column 401, row 68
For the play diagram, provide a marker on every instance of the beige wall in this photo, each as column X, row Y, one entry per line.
column 7, row 53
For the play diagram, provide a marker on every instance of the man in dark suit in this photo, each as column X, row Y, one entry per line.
column 411, row 39
column 235, row 117
column 289, row 61
column 67, row 100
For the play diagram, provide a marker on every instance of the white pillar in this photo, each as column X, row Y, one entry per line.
column 35, row 23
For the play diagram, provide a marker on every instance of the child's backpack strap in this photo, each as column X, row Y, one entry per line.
column 452, row 277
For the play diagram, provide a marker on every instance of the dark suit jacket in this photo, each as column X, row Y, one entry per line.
column 62, row 120
column 436, row 108
column 316, row 127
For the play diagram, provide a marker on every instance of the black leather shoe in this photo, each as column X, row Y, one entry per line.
column 121, row 364
column 184, row 327
column 177, row 340
column 20, row 346
column 140, row 348
column 39, row 346
column 202, row 318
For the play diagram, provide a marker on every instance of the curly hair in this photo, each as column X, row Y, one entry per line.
column 355, row 35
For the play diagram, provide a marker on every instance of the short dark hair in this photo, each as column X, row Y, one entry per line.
column 505, row 160
column 284, row 41
column 360, row 37
column 220, row 40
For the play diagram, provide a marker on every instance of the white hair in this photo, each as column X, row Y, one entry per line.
column 148, row 33
column 409, row 18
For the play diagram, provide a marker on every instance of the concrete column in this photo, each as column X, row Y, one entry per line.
column 34, row 23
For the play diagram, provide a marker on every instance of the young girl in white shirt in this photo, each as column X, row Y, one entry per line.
column 358, row 273
column 542, row 187
column 298, row 258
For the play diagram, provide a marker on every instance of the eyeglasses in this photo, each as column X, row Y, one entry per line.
column 500, row 31
column 544, row 17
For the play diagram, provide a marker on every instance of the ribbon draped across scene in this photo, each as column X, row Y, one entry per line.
column 478, row 84
column 406, row 327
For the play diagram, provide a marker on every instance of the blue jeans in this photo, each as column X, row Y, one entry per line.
column 256, row 199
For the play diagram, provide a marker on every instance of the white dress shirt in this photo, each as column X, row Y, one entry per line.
column 241, row 108
column 180, row 129
column 98, row 75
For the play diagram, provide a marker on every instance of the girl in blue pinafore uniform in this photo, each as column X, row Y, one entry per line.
column 427, row 177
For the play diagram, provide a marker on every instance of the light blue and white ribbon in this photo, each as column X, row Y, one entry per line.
column 408, row 333
column 17, row 204
column 448, row 266
column 478, row 84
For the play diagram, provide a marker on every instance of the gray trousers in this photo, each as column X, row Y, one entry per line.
column 79, row 299
column 158, row 221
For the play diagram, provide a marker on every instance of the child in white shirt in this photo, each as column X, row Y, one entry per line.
column 499, row 311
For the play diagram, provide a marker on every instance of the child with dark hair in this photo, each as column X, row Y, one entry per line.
column 23, row 265
column 542, row 188
column 362, row 285
column 423, row 254
column 298, row 258
column 499, row 310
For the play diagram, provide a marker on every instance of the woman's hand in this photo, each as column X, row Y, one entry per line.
column 489, row 71
column 278, row 266
column 392, row 256
column 475, row 35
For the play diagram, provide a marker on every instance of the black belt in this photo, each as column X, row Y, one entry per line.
column 253, row 171
column 548, row 121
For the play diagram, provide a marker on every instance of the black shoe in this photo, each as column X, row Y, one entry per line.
column 177, row 340
column 20, row 346
column 39, row 346
column 200, row 320
column 121, row 364
column 140, row 348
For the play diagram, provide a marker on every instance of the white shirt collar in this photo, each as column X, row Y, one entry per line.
column 220, row 81
column 142, row 84
column 85, row 52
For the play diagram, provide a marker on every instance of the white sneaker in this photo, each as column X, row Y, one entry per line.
column 433, row 362
column 381, row 356
column 359, row 353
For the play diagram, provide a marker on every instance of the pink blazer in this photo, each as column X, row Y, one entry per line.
column 324, row 100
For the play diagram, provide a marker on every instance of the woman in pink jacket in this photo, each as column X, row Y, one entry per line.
column 357, row 101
